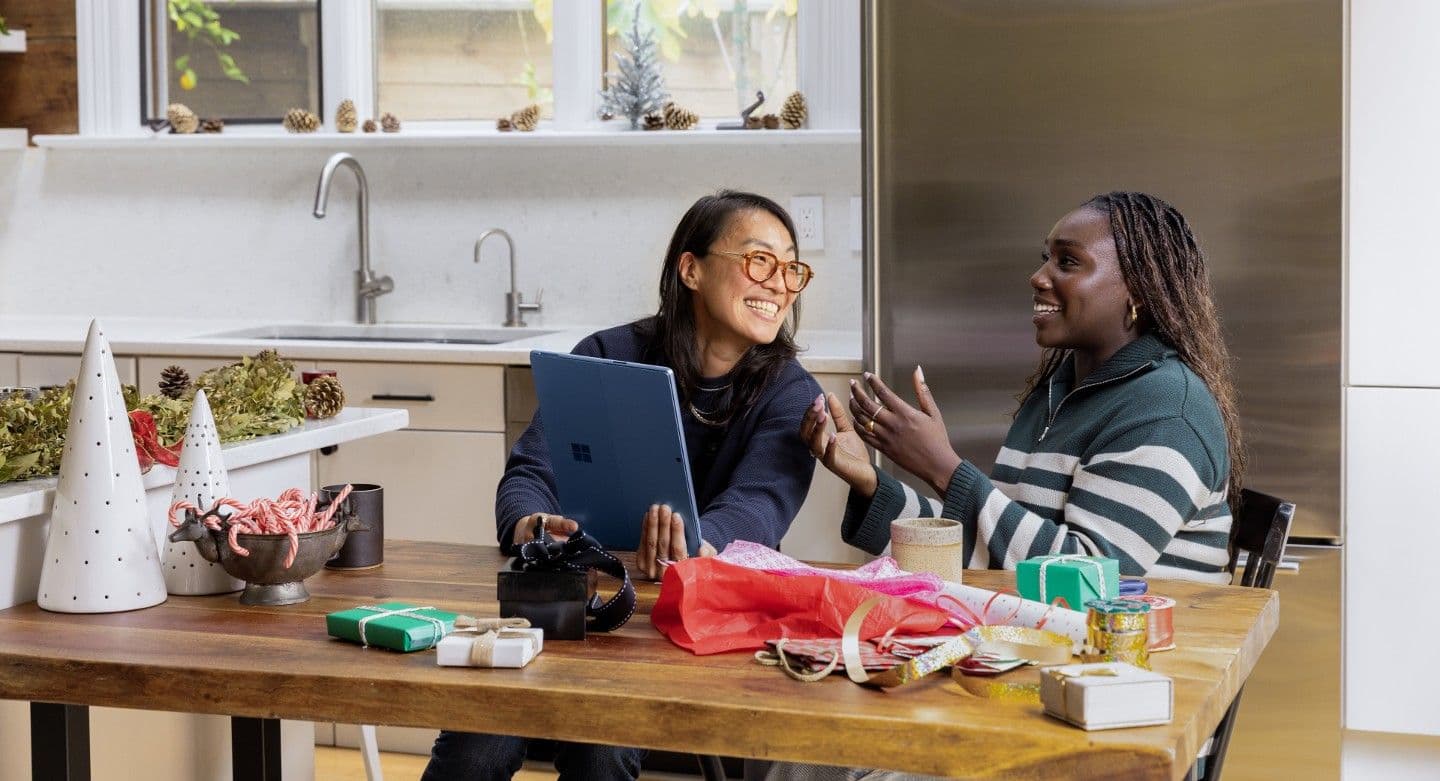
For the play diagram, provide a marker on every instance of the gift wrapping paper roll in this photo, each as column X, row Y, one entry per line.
column 933, row 545
column 1017, row 612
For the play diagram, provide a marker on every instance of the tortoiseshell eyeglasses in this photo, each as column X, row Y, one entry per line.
column 761, row 265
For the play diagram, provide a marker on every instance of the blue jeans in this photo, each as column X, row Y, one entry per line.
column 467, row 755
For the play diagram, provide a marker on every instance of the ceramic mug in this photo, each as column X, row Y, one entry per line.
column 933, row 545
column 362, row 549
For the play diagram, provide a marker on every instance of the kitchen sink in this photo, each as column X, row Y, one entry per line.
column 416, row 334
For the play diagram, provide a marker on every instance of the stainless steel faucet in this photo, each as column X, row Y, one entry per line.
column 515, row 305
column 368, row 287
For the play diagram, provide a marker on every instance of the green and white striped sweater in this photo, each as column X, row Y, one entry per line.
column 1131, row 464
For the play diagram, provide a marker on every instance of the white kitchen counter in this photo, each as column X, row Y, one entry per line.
column 828, row 351
column 33, row 497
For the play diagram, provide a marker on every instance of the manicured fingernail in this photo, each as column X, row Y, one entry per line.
column 866, row 375
column 920, row 370
column 818, row 403
column 852, row 383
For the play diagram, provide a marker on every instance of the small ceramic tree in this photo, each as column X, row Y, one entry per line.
column 100, row 556
column 200, row 480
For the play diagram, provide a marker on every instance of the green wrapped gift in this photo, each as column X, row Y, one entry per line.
column 393, row 625
column 1075, row 578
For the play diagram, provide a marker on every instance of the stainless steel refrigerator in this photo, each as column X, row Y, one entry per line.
column 986, row 120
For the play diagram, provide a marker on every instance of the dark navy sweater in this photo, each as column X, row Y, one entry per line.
column 750, row 475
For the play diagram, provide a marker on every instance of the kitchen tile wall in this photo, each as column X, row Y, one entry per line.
column 193, row 233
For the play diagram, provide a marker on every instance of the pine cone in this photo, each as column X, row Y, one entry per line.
column 182, row 119
column 678, row 118
column 794, row 113
column 369, row 126
column 503, row 125
column 173, row 382
column 526, row 118
column 770, row 122
column 345, row 118
column 654, row 122
column 324, row 398
column 298, row 120
column 212, row 125
column 389, row 123
column 753, row 122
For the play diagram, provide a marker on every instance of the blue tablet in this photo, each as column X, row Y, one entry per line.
column 616, row 444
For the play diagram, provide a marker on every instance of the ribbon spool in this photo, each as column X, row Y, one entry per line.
column 1118, row 630
column 1162, row 621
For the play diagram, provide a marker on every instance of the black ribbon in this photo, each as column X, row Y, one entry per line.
column 582, row 553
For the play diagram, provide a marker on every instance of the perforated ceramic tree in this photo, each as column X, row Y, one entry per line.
column 100, row 556
column 199, row 480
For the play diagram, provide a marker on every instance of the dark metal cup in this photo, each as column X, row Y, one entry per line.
column 364, row 548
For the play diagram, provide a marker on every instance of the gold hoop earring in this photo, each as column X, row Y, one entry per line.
column 1134, row 314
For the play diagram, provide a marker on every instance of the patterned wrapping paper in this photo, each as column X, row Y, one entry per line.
column 1011, row 610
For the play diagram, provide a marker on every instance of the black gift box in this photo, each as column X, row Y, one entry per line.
column 553, row 601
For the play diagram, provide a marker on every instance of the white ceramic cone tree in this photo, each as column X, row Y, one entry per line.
column 100, row 556
column 200, row 480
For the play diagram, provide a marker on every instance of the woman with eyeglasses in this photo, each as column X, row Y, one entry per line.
column 729, row 293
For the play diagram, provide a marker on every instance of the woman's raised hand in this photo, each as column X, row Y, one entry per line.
column 915, row 439
column 662, row 540
column 842, row 452
column 557, row 526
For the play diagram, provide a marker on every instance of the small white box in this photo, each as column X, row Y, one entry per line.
column 1107, row 695
column 513, row 648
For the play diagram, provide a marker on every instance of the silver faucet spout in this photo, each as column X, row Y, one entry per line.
column 368, row 287
column 515, row 304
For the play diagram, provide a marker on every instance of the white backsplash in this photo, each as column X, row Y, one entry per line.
column 229, row 233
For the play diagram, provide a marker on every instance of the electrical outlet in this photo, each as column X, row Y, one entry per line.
column 808, row 211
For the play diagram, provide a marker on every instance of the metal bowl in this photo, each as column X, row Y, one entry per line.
column 267, row 580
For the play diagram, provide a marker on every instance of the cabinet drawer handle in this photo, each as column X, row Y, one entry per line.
column 402, row 397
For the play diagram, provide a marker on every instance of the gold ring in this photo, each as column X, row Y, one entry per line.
column 870, row 426
column 881, row 406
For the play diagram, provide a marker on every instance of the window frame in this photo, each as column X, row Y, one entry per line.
column 110, row 66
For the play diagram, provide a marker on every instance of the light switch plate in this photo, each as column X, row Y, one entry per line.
column 808, row 211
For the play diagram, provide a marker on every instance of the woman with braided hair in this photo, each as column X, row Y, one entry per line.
column 1126, row 442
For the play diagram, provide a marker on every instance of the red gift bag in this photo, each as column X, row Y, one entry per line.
column 708, row 606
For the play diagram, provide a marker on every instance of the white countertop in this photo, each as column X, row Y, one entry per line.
column 827, row 351
column 34, row 497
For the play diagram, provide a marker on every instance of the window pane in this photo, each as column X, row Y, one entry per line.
column 236, row 59
column 463, row 59
column 716, row 53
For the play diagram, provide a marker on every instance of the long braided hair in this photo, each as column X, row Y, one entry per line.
column 1164, row 270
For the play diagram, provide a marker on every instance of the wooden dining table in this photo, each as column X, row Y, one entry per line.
column 629, row 687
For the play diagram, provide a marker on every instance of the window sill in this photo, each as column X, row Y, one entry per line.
column 273, row 138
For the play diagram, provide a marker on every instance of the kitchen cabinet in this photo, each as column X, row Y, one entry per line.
column 9, row 369
column 43, row 371
column 440, row 473
column 439, row 485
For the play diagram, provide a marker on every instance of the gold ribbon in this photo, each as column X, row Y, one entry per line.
column 1022, row 642
column 936, row 658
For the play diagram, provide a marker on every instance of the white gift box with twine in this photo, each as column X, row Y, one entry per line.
column 1107, row 695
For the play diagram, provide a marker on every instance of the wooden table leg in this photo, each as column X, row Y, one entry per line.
column 59, row 742
column 255, row 749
